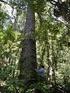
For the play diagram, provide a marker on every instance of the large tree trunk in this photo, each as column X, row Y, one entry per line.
column 28, row 53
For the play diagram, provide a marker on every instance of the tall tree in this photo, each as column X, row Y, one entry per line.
column 28, row 54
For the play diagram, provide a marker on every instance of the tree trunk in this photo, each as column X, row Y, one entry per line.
column 48, row 59
column 2, row 89
column 27, row 61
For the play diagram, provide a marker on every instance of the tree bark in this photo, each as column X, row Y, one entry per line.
column 27, row 62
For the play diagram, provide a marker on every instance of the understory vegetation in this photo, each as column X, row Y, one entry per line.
column 34, row 33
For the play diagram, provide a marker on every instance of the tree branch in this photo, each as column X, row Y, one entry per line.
column 23, row 7
column 4, row 2
column 52, row 2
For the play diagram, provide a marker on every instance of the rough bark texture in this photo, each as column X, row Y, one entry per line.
column 28, row 53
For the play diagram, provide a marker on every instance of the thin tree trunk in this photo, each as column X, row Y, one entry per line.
column 48, row 60
column 54, row 64
column 27, row 61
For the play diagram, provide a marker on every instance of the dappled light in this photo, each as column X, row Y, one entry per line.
column 34, row 46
